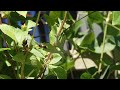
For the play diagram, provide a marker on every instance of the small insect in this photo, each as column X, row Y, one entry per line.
column 25, row 45
column 42, row 46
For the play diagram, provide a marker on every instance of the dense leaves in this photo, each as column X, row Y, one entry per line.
column 23, row 57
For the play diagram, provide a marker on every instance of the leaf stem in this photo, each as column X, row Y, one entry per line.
column 103, row 44
column 62, row 25
column 30, row 73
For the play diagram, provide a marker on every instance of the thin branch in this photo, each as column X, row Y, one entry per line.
column 103, row 75
column 62, row 25
column 84, row 62
column 23, row 64
column 103, row 44
column 50, row 54
column 87, row 15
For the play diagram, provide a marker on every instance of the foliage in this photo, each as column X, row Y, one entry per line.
column 21, row 56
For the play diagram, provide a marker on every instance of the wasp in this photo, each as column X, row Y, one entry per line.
column 42, row 46
column 25, row 45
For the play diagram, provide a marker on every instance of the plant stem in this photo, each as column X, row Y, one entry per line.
column 54, row 44
column 30, row 73
column 84, row 62
column 17, row 70
column 103, row 44
column 113, row 26
column 103, row 75
column 62, row 25
column 23, row 64
column 22, row 70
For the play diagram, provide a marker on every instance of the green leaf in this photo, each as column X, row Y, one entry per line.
column 52, row 66
column 7, row 63
column 23, row 13
column 33, row 61
column 116, row 18
column 76, row 26
column 37, row 53
column 112, row 31
column 5, row 13
column 65, row 24
column 8, row 30
column 53, row 17
column 52, row 76
column 115, row 67
column 51, row 48
column 57, row 14
column 3, row 49
column 19, row 57
column 30, row 24
column 60, row 73
column 30, row 70
column 88, row 40
column 108, row 47
column 86, row 76
column 49, row 20
column 56, row 58
column 4, row 77
column 15, row 33
column 20, row 35
column 68, row 64
column 96, row 17
column 53, row 34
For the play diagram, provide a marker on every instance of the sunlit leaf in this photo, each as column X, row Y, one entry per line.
column 23, row 13
column 8, row 30
column 60, row 73
column 37, row 53
column 53, row 34
column 56, row 58
column 86, row 76
column 108, row 47
column 3, row 49
column 5, row 13
column 30, row 24
column 116, row 18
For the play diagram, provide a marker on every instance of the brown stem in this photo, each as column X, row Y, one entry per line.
column 54, row 44
column 63, row 22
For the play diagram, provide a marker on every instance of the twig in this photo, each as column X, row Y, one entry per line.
column 103, row 44
column 50, row 54
column 84, row 62
column 63, row 22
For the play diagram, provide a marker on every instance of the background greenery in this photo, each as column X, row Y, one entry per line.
column 21, row 57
